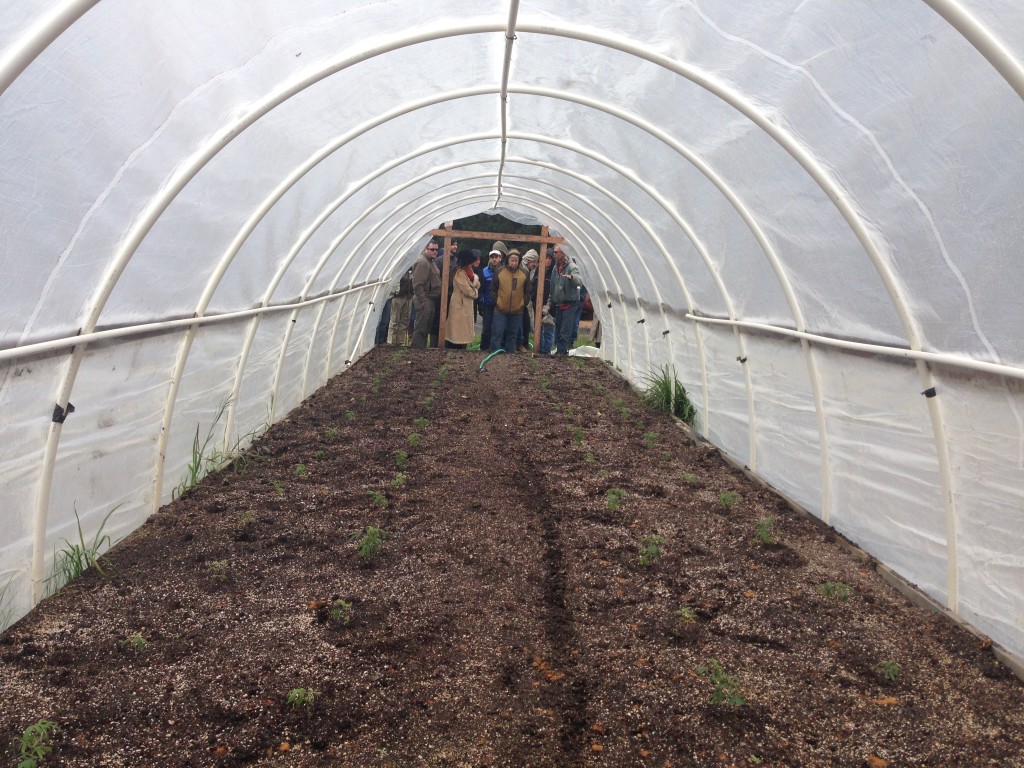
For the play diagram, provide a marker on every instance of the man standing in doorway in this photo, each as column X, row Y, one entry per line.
column 426, row 289
column 401, row 305
column 564, row 297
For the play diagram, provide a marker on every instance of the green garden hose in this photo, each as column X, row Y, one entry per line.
column 484, row 362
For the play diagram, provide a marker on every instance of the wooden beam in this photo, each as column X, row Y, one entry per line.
column 542, row 260
column 503, row 236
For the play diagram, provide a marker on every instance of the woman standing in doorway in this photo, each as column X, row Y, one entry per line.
column 465, row 288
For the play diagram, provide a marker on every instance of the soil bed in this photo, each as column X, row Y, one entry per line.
column 507, row 619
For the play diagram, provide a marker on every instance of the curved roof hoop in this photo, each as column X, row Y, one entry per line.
column 39, row 38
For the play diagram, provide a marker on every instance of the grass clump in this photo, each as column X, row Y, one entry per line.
column 664, row 392
column 279, row 487
column 218, row 570
column 577, row 436
column 301, row 470
column 650, row 439
column 728, row 499
column 340, row 612
column 332, row 432
column 350, row 415
column 378, row 499
column 399, row 480
column 36, row 743
column 764, row 533
column 415, row 439
column 75, row 559
column 320, row 455
column 650, row 549
column 727, row 688
column 421, row 424
column 686, row 615
column 835, row 590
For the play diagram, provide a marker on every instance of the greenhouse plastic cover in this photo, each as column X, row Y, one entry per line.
column 813, row 210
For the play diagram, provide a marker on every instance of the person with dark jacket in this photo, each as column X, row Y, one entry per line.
column 564, row 297
column 426, row 289
column 401, row 305
column 508, row 291
column 486, row 302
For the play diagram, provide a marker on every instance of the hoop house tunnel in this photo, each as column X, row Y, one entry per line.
column 813, row 211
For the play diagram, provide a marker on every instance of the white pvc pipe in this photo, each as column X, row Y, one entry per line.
column 38, row 39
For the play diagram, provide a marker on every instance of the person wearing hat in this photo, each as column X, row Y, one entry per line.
column 508, row 290
column 465, row 288
column 563, row 299
column 486, row 302
column 530, row 265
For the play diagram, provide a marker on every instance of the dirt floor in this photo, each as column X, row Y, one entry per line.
column 509, row 616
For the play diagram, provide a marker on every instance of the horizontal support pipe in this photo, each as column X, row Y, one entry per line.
column 880, row 349
column 29, row 350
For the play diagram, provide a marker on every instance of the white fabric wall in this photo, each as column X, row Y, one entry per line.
column 847, row 169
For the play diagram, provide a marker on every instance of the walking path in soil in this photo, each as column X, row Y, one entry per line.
column 508, row 619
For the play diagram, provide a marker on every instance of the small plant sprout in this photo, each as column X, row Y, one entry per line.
column 36, row 743
column 401, row 459
column 378, row 499
column 370, row 541
column 421, row 424
column 615, row 497
column 218, row 570
column 320, row 455
column 835, row 590
column 545, row 383
column 764, row 533
column 415, row 439
column 350, row 415
column 246, row 519
column 589, row 458
column 75, row 559
column 727, row 688
column 650, row 549
column 577, row 436
column 279, row 486
column 567, row 410
column 686, row 615
column 341, row 611
column 428, row 402
column 443, row 372
column 689, row 478
column 890, row 670
column 135, row 642
column 650, row 438
column 399, row 480
column 728, row 499
column 301, row 470
column 332, row 431
column 302, row 698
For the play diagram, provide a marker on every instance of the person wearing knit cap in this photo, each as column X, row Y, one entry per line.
column 466, row 287
column 508, row 289
column 500, row 247
column 530, row 265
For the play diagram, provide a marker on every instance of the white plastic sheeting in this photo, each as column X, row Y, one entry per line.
column 815, row 208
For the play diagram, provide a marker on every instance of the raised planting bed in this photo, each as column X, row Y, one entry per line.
column 541, row 571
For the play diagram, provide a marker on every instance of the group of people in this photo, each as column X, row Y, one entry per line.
column 503, row 292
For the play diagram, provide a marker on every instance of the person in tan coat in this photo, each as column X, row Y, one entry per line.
column 465, row 289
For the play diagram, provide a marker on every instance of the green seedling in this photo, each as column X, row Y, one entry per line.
column 201, row 463
column 602, row 473
column 765, row 531
column 350, row 415
column 301, row 470
column 246, row 519
column 650, row 549
column 665, row 455
column 686, row 615
column 375, row 386
column 579, row 362
column 302, row 698
column 689, row 478
column 442, row 373
column 378, row 499
column 421, row 424
column 75, row 559
column 428, row 402
column 728, row 499
column 401, row 459
column 415, row 439
column 650, row 438
column 890, row 670
column 835, row 590
column 615, row 497
column 589, row 458
column 218, row 570
column 545, row 383
column 341, row 612
column 399, row 480
column 567, row 410
column 135, row 642
column 279, row 487
column 727, row 688
column 333, row 431
column 577, row 436
column 320, row 455
column 370, row 541
column 36, row 743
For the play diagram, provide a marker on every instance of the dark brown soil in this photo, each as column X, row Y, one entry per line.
column 507, row 620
